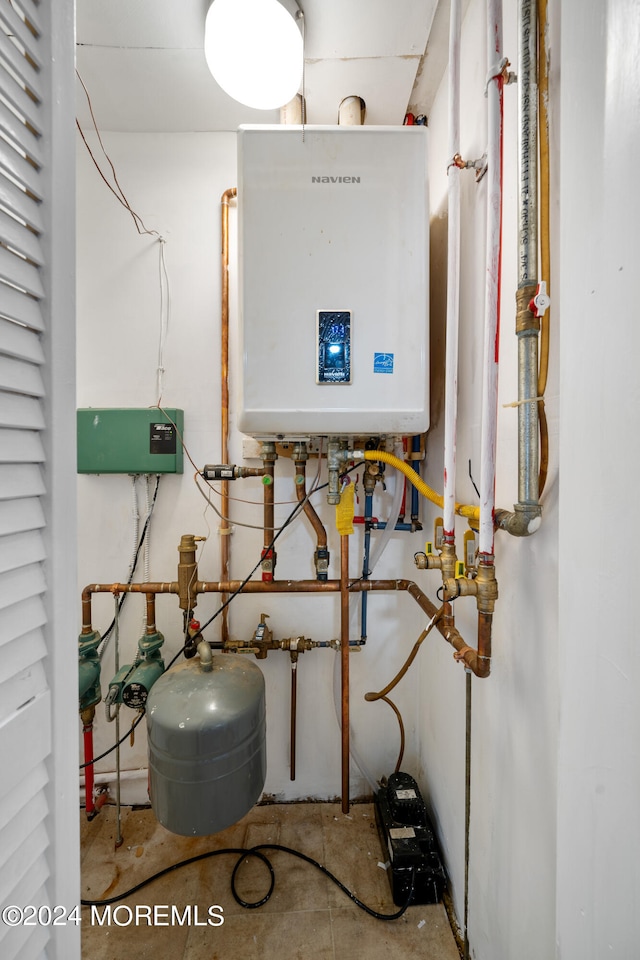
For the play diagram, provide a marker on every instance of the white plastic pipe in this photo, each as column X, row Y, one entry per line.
column 493, row 269
column 453, row 277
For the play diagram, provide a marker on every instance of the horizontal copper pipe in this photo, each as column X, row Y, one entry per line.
column 478, row 661
column 115, row 588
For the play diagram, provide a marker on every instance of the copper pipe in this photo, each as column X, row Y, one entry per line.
column 151, row 613
column 269, row 473
column 310, row 513
column 478, row 661
column 344, row 663
column 225, row 530
column 294, row 702
column 158, row 587
column 268, row 554
column 275, row 586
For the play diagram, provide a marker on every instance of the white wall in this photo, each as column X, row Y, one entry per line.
column 598, row 771
column 175, row 183
column 514, row 727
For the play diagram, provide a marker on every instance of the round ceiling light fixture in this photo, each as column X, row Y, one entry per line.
column 254, row 49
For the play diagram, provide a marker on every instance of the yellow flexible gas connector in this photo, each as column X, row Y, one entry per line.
column 463, row 510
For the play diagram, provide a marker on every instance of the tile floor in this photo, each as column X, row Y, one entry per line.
column 307, row 917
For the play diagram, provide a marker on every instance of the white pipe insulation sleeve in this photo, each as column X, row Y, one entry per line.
column 492, row 275
column 453, row 274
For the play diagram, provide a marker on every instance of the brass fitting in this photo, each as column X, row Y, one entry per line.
column 297, row 645
column 370, row 476
column 188, row 571
column 487, row 586
column 526, row 321
column 448, row 561
column 460, row 587
column 262, row 640
column 87, row 715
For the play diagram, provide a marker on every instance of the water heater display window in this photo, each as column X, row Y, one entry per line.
column 334, row 346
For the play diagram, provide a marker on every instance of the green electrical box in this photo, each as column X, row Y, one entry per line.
column 129, row 440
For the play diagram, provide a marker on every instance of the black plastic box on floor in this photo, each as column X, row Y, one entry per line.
column 408, row 841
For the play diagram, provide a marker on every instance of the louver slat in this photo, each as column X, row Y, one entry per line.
column 20, row 480
column 13, row 26
column 18, row 63
column 20, row 515
column 18, row 237
column 17, row 306
column 19, row 411
column 18, row 619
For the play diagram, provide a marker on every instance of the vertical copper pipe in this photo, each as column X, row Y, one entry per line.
column 151, row 613
column 294, row 702
column 268, row 553
column 344, row 663
column 485, row 623
column 301, row 491
column 269, row 472
column 225, row 531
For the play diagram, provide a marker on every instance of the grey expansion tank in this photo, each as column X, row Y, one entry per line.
column 207, row 753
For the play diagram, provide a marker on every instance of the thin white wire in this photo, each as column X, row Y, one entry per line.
column 165, row 316
column 135, row 523
column 145, row 547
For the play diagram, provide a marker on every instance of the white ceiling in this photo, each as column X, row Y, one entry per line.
column 143, row 63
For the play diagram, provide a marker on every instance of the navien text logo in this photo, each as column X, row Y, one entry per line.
column 335, row 179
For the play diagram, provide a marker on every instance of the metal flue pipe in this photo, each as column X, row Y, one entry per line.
column 526, row 516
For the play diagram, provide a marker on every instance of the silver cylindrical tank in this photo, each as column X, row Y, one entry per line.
column 207, row 753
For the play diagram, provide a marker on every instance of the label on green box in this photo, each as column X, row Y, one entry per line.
column 162, row 438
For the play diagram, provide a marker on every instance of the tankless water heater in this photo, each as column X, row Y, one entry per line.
column 333, row 280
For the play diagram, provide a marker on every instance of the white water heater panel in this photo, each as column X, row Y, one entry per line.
column 333, row 274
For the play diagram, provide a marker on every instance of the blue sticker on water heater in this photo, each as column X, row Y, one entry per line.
column 383, row 362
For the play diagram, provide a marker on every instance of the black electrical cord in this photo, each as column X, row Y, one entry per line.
column 243, row 853
column 107, row 633
column 296, row 510
column 112, row 748
column 299, row 507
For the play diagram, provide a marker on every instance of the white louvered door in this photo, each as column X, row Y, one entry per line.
column 38, row 686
